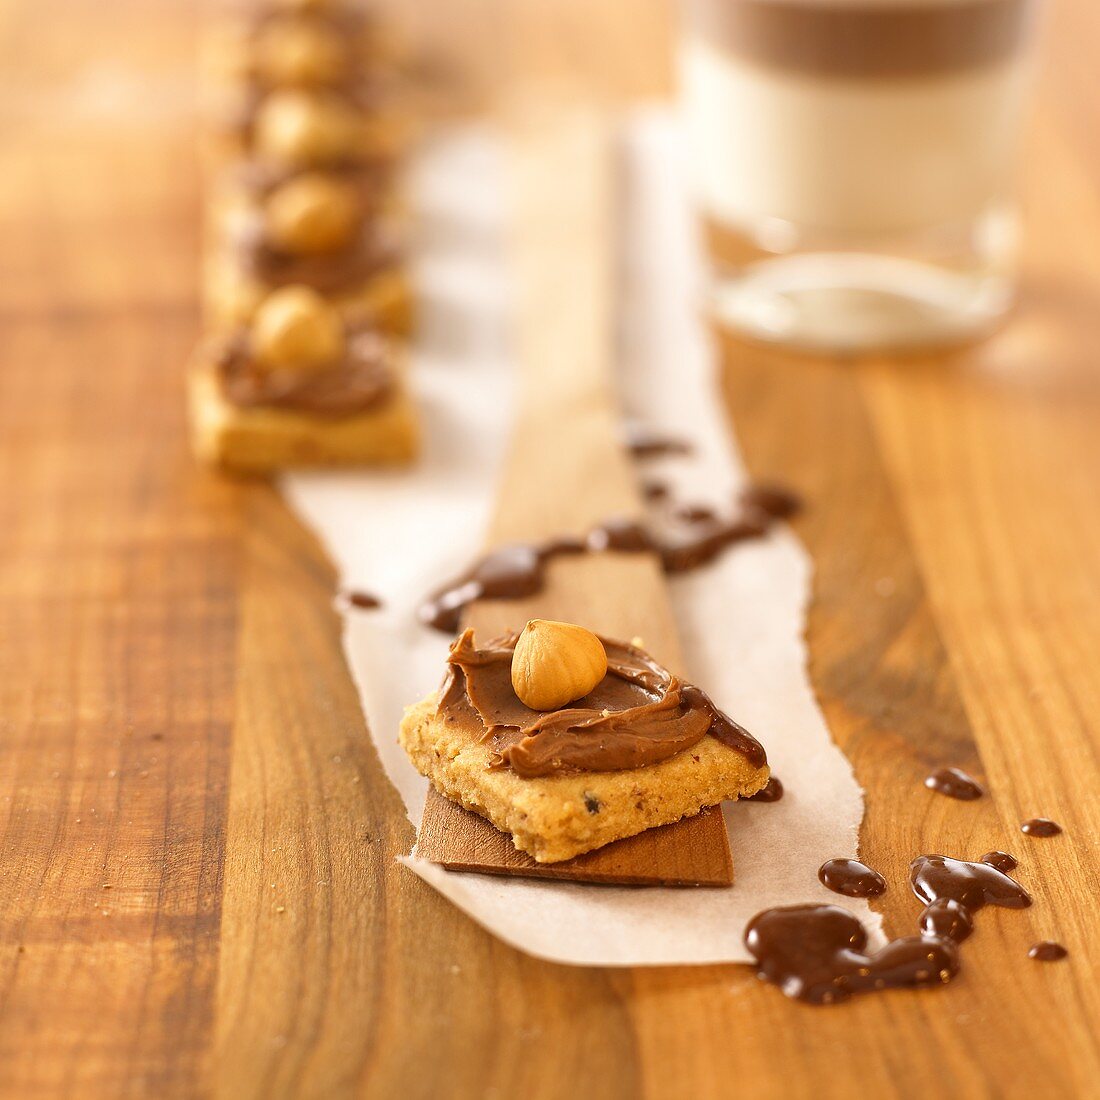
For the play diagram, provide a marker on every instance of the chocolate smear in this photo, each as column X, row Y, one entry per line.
column 814, row 953
column 954, row 783
column 772, row 791
column 1041, row 827
column 1047, row 951
column 851, row 878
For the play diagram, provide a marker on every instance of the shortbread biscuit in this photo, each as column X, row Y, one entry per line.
column 556, row 817
column 263, row 439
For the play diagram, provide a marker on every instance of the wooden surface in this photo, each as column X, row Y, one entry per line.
column 563, row 246
column 176, row 716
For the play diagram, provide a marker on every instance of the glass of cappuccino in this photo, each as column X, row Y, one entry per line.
column 854, row 161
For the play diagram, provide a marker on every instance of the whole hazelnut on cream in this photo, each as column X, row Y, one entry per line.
column 312, row 213
column 298, row 52
column 296, row 329
column 556, row 663
column 307, row 128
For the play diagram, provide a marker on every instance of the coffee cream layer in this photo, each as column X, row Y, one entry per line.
column 849, row 118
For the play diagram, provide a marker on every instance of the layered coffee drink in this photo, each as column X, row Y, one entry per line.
column 854, row 159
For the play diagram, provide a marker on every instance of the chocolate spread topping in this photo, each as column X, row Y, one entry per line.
column 851, row 878
column 639, row 714
column 374, row 248
column 954, row 783
column 362, row 380
column 1041, row 826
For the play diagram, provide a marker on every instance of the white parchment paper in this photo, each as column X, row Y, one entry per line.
column 741, row 618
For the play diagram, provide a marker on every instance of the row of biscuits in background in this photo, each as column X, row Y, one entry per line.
column 306, row 292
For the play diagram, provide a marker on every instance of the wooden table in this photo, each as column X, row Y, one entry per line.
column 199, row 893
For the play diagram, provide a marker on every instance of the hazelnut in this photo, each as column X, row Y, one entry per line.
column 296, row 329
column 292, row 51
column 556, row 663
column 312, row 213
column 300, row 127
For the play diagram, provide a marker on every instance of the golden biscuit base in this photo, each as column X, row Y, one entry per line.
column 263, row 440
column 556, row 817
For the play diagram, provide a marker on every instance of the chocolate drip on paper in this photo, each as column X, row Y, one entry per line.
column 518, row 571
column 772, row 791
column 639, row 714
column 851, row 878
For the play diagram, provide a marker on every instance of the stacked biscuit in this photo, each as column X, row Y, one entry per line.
column 306, row 292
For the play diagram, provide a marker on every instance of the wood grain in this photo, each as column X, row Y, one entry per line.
column 567, row 471
column 147, row 611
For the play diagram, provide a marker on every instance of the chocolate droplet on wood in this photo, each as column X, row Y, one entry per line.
column 1001, row 860
column 1041, row 826
column 851, row 878
column 1047, row 951
column 954, row 783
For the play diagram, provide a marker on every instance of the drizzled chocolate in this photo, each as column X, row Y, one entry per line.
column 851, row 878
column 815, row 953
column 374, row 248
column 517, row 571
column 362, row 380
column 972, row 885
column 639, row 714
column 1041, row 827
column 772, row 791
column 954, row 783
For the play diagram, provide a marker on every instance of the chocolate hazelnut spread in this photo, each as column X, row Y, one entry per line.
column 639, row 714
column 865, row 38
column 373, row 250
column 362, row 380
